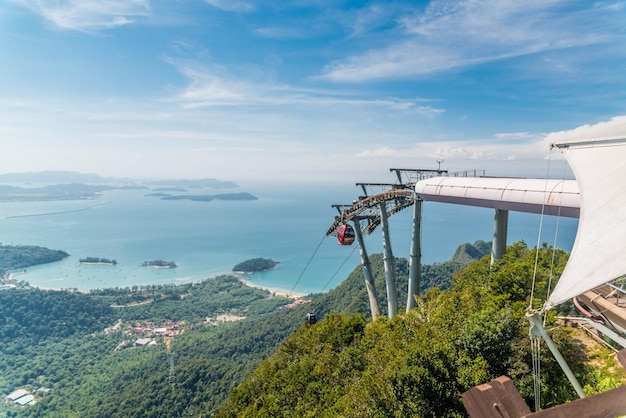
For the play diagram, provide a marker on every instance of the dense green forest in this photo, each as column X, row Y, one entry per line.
column 77, row 351
column 93, row 373
column 16, row 257
column 80, row 347
column 255, row 264
column 419, row 363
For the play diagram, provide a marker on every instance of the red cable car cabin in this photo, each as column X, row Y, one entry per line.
column 345, row 235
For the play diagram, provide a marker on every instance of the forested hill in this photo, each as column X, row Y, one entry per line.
column 351, row 295
column 419, row 363
column 79, row 347
column 15, row 257
column 76, row 351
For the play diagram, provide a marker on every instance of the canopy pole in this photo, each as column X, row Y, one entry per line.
column 537, row 329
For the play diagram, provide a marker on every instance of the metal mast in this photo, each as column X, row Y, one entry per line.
column 370, row 211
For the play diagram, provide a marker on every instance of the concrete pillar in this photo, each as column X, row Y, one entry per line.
column 500, row 228
column 415, row 256
column 367, row 273
column 390, row 279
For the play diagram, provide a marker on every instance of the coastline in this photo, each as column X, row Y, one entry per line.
column 278, row 292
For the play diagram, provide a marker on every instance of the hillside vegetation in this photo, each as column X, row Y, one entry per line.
column 75, row 351
column 56, row 340
column 419, row 363
column 80, row 348
column 15, row 257
column 255, row 264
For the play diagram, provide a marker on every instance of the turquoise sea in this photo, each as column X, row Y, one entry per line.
column 287, row 223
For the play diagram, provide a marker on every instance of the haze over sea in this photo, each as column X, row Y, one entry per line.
column 206, row 239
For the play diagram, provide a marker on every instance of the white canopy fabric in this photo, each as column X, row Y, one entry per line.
column 599, row 252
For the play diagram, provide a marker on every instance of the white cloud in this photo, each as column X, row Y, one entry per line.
column 216, row 86
column 458, row 154
column 614, row 127
column 88, row 15
column 283, row 32
column 454, row 34
column 379, row 152
column 232, row 5
column 515, row 135
column 209, row 89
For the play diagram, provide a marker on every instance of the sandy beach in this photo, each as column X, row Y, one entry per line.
column 277, row 292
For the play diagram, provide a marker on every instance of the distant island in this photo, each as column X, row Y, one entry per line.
column 72, row 191
column 97, row 260
column 170, row 189
column 160, row 264
column 70, row 185
column 208, row 198
column 255, row 264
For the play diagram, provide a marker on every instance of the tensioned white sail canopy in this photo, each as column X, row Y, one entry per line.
column 599, row 252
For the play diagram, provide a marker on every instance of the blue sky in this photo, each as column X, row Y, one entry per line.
column 306, row 90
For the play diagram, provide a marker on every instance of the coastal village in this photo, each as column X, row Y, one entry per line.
column 139, row 334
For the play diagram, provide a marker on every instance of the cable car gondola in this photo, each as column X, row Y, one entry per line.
column 310, row 318
column 345, row 235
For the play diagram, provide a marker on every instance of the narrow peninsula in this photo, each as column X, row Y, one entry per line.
column 15, row 257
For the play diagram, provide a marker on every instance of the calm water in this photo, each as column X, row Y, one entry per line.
column 206, row 239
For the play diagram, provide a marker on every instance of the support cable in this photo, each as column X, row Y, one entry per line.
column 535, row 340
column 339, row 268
column 543, row 205
column 535, row 344
column 307, row 264
column 556, row 234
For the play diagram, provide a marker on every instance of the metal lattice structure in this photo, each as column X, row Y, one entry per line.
column 371, row 210
column 397, row 196
column 366, row 210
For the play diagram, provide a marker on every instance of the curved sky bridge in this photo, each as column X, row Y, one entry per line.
column 542, row 196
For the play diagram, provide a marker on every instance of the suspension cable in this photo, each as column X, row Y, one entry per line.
column 338, row 269
column 307, row 264
column 556, row 234
column 543, row 205
column 535, row 345
column 535, row 341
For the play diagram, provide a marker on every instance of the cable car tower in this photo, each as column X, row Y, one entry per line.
column 369, row 211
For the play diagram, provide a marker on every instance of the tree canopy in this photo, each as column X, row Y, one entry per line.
column 15, row 257
column 464, row 331
column 419, row 363
column 255, row 264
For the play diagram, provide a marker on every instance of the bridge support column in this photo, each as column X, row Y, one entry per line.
column 390, row 279
column 415, row 256
column 367, row 273
column 500, row 227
